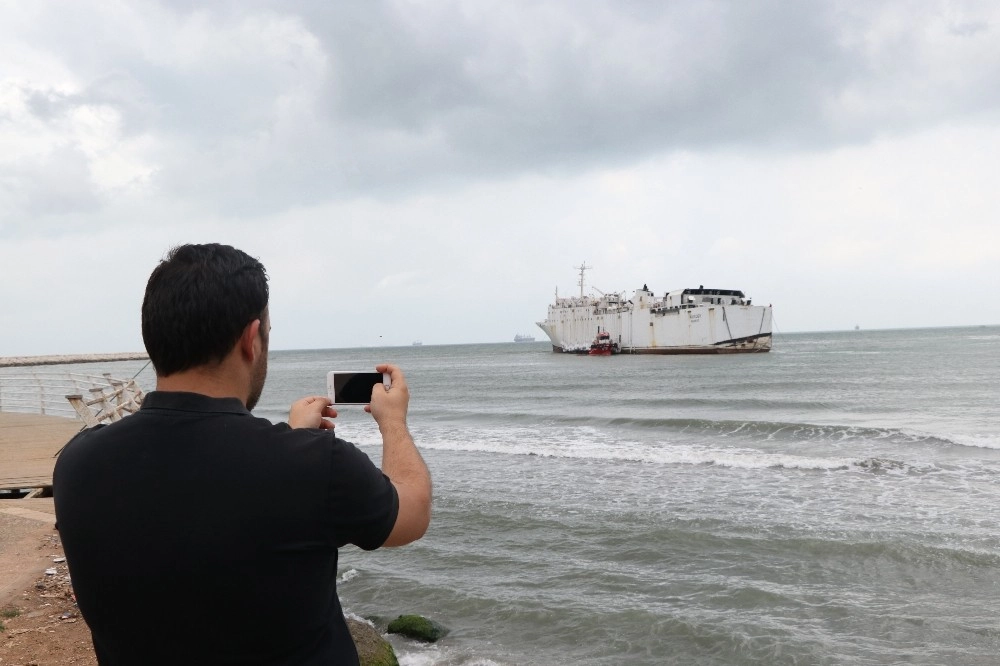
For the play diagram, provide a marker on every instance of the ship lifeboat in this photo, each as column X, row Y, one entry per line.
column 603, row 346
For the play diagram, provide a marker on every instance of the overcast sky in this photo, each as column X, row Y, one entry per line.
column 435, row 170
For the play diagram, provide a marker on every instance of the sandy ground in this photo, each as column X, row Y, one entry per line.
column 41, row 623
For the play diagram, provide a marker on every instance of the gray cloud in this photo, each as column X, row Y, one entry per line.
column 57, row 186
column 296, row 103
column 415, row 97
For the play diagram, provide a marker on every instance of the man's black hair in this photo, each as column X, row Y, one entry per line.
column 198, row 301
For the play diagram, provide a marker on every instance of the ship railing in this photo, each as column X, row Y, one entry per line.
column 574, row 301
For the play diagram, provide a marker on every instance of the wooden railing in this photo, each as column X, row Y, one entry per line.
column 91, row 398
column 107, row 403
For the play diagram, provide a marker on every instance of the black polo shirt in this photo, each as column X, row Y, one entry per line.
column 198, row 533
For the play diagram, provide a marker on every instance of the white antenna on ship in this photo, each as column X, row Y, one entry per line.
column 583, row 268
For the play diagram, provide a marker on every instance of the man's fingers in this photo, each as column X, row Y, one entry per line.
column 395, row 373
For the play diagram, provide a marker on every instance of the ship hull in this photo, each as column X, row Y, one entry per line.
column 759, row 345
column 641, row 329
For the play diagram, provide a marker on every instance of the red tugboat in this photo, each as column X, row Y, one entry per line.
column 603, row 346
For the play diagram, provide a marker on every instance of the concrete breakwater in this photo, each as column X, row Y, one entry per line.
column 61, row 359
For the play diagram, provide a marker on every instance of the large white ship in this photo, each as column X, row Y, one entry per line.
column 685, row 321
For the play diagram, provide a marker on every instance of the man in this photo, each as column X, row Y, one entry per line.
column 196, row 533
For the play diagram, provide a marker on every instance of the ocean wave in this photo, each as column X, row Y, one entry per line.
column 977, row 441
column 752, row 431
column 413, row 653
column 421, row 657
column 594, row 447
column 890, row 549
column 882, row 465
column 724, row 402
column 412, row 656
column 781, row 430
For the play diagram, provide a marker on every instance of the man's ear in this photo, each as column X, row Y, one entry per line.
column 248, row 339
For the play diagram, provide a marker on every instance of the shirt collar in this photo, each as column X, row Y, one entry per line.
column 192, row 402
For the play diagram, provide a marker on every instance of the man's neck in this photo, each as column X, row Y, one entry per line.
column 214, row 382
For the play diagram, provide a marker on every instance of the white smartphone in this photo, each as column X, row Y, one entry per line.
column 350, row 387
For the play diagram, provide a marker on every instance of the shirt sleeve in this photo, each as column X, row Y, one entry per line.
column 363, row 502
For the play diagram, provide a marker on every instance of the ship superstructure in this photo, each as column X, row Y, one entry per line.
column 684, row 321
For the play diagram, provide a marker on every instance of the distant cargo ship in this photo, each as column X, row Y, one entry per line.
column 684, row 321
column 520, row 337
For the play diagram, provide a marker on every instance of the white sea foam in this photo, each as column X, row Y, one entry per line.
column 587, row 443
column 357, row 618
column 432, row 655
column 425, row 657
column 350, row 574
column 977, row 441
column 974, row 440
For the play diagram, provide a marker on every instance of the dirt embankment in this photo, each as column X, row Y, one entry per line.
column 42, row 624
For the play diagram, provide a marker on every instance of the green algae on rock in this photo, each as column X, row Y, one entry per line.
column 417, row 627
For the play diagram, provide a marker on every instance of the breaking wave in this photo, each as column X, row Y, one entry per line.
column 590, row 444
column 749, row 431
column 978, row 441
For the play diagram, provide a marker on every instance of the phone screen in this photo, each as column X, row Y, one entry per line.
column 354, row 387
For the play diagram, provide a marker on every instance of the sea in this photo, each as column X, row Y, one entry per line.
column 834, row 501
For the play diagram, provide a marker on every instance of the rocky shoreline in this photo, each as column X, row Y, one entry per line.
column 62, row 359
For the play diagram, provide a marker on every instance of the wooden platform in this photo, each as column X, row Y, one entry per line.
column 28, row 444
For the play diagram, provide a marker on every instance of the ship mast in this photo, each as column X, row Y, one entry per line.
column 582, row 268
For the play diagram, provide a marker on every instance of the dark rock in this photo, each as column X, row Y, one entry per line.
column 380, row 621
column 373, row 650
column 417, row 627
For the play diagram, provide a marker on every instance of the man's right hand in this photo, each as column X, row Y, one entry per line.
column 389, row 405
column 401, row 460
